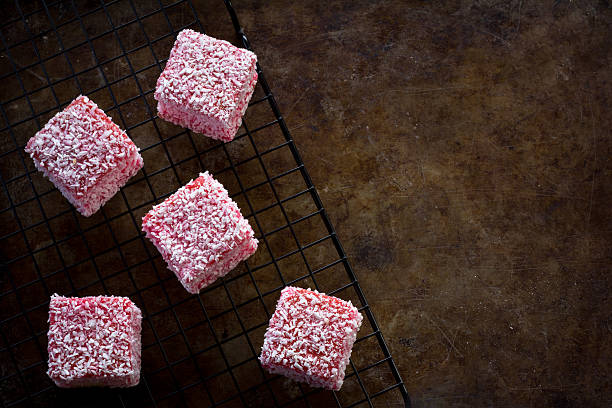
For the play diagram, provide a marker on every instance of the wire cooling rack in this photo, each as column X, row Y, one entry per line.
column 197, row 350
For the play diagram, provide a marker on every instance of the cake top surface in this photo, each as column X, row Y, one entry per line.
column 205, row 74
column 196, row 226
column 80, row 145
column 91, row 336
column 310, row 331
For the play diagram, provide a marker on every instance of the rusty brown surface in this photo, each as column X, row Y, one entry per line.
column 463, row 152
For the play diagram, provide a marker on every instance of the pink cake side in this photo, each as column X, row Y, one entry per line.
column 94, row 341
column 229, row 261
column 236, row 116
column 200, row 232
column 85, row 155
column 206, row 85
column 110, row 184
column 310, row 337
column 207, row 125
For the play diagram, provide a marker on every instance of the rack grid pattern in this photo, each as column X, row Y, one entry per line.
column 197, row 350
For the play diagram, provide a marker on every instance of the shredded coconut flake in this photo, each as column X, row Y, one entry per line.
column 206, row 85
column 94, row 341
column 200, row 232
column 87, row 156
column 310, row 337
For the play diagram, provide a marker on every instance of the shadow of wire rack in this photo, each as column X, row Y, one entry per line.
column 197, row 350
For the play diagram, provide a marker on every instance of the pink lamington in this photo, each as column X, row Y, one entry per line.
column 200, row 232
column 94, row 341
column 310, row 337
column 87, row 156
column 206, row 85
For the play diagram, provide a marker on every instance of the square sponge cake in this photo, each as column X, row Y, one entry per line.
column 200, row 232
column 206, row 85
column 310, row 337
column 94, row 341
column 85, row 155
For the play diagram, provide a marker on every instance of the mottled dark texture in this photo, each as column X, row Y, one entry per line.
column 462, row 150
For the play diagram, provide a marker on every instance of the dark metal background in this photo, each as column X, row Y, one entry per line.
column 197, row 350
